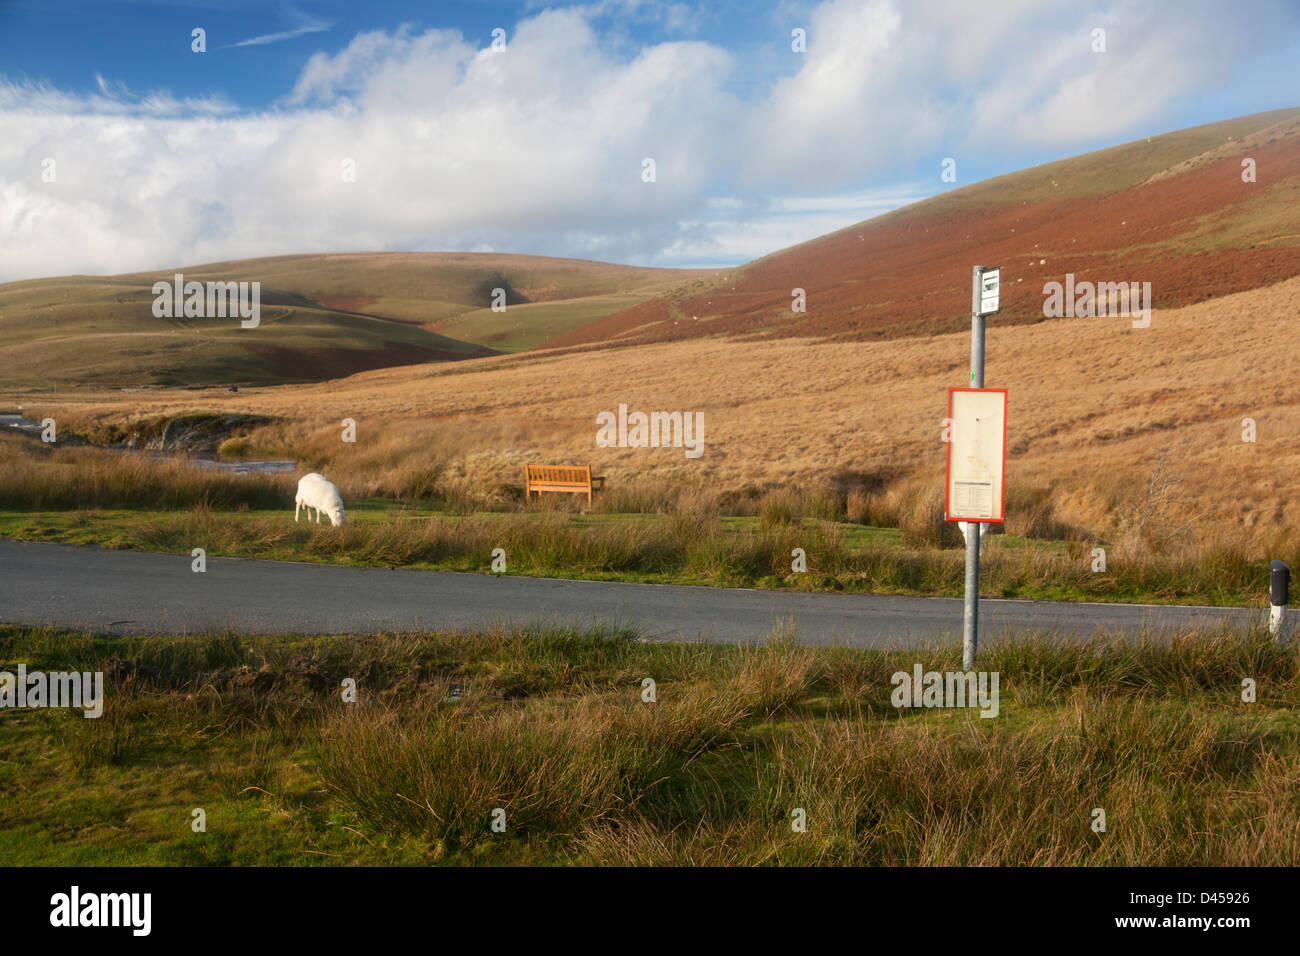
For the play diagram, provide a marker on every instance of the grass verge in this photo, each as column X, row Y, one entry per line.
column 676, row 548
column 550, row 728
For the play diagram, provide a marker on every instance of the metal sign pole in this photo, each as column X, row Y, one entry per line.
column 971, row 613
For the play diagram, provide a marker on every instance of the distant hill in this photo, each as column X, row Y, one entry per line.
column 323, row 316
column 1171, row 210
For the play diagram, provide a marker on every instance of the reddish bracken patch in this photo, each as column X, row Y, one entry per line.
column 1190, row 235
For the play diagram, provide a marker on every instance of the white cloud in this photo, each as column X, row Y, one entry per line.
column 737, row 230
column 884, row 82
column 1059, row 91
column 540, row 148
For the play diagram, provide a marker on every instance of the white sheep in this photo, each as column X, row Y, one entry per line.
column 315, row 492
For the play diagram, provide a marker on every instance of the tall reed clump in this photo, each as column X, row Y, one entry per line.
column 34, row 478
column 886, row 794
column 1031, row 513
column 875, row 508
column 641, row 496
column 787, row 505
column 921, row 519
column 441, row 769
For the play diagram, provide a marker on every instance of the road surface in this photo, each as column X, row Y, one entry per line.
column 114, row 592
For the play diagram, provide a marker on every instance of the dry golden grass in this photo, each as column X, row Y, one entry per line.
column 1097, row 410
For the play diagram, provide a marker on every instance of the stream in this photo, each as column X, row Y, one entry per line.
column 29, row 426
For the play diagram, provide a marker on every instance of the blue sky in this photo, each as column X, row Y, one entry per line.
column 122, row 149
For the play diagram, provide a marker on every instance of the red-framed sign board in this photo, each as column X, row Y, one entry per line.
column 977, row 455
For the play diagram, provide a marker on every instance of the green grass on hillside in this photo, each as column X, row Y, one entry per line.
column 102, row 332
column 527, row 326
column 323, row 316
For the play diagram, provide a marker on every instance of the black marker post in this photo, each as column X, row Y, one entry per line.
column 1279, row 583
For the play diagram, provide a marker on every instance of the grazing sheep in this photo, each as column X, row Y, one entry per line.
column 314, row 492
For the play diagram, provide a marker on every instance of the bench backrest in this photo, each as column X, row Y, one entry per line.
column 559, row 474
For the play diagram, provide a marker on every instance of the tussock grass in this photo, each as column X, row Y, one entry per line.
column 887, row 794
column 921, row 519
column 697, row 545
column 36, row 477
column 667, row 529
column 542, row 543
column 104, row 741
column 549, row 725
column 442, row 769
column 696, row 548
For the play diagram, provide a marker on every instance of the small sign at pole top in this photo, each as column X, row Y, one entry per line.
column 989, row 286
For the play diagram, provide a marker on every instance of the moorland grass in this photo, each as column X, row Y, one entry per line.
column 549, row 725
column 685, row 548
column 414, row 514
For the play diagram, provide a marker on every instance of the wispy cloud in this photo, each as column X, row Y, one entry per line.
column 317, row 26
column 28, row 98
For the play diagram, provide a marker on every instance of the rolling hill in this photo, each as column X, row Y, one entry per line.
column 323, row 316
column 1108, row 424
column 1096, row 410
column 1171, row 210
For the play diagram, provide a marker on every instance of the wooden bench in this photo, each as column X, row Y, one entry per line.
column 575, row 479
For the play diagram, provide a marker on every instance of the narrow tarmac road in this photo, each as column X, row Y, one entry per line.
column 114, row 592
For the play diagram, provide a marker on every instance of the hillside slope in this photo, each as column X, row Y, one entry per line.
column 1171, row 210
column 451, row 292
column 323, row 316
